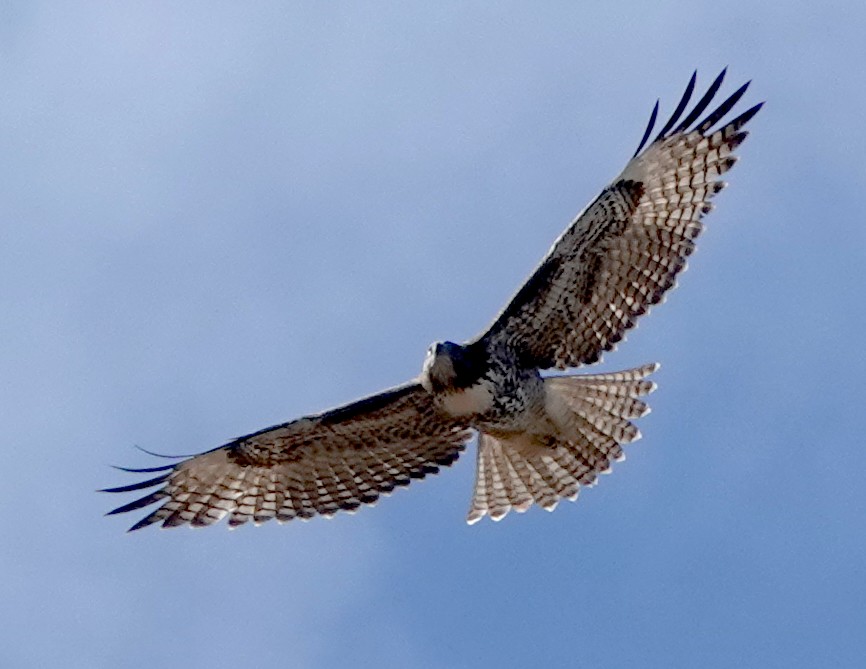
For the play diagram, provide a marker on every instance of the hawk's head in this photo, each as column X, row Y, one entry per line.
column 449, row 366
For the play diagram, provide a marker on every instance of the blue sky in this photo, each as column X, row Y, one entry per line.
column 219, row 216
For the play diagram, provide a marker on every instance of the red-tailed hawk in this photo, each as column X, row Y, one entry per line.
column 540, row 438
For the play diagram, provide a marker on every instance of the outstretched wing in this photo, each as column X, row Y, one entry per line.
column 337, row 460
column 623, row 252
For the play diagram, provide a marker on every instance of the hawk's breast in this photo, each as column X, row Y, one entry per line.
column 476, row 399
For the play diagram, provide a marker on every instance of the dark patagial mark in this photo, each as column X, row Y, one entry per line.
column 626, row 195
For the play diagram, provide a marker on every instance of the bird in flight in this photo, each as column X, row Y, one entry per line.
column 540, row 437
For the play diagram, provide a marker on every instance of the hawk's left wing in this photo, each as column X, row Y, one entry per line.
column 321, row 464
column 625, row 249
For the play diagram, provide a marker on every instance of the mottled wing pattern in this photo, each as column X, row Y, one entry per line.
column 316, row 465
column 624, row 251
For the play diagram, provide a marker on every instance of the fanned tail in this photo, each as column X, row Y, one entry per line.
column 591, row 414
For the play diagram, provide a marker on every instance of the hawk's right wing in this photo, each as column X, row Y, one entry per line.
column 623, row 252
column 337, row 460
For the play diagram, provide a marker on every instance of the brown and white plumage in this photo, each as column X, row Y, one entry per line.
column 316, row 465
column 592, row 413
column 540, row 438
column 623, row 252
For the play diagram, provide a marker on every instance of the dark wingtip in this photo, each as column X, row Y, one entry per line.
column 726, row 106
column 144, row 522
column 161, row 455
column 674, row 125
column 144, row 470
column 702, row 103
column 680, row 108
column 746, row 116
column 141, row 485
column 649, row 129
column 140, row 503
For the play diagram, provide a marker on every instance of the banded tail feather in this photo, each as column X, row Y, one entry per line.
column 591, row 415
